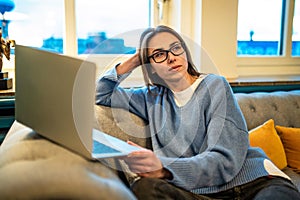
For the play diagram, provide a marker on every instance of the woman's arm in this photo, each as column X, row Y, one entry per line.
column 108, row 92
column 108, row 83
column 146, row 164
column 129, row 65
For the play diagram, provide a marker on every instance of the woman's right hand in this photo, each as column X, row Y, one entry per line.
column 130, row 64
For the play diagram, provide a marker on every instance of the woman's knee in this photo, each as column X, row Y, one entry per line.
column 278, row 191
column 149, row 188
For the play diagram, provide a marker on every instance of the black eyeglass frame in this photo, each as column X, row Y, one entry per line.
column 167, row 53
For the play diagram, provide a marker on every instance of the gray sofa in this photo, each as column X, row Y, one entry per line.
column 33, row 167
column 282, row 107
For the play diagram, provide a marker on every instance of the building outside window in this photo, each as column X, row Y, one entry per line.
column 261, row 28
column 101, row 25
column 38, row 24
column 99, row 22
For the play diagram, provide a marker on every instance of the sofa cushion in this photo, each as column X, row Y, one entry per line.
column 266, row 137
column 290, row 138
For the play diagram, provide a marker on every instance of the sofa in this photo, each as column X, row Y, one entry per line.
column 32, row 167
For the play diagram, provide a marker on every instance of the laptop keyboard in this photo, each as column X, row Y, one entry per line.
column 100, row 148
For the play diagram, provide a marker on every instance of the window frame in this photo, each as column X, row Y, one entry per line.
column 70, row 28
column 285, row 42
column 103, row 61
column 286, row 60
column 197, row 19
column 205, row 27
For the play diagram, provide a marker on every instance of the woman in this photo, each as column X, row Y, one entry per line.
column 198, row 133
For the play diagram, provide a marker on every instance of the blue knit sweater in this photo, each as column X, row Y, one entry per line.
column 204, row 143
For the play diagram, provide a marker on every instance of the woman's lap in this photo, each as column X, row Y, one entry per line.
column 262, row 188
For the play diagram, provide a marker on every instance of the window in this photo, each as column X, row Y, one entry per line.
column 296, row 30
column 262, row 28
column 99, row 24
column 37, row 24
column 259, row 27
column 102, row 26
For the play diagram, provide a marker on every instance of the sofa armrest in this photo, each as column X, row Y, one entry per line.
column 32, row 167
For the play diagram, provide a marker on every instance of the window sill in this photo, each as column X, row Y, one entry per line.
column 265, row 83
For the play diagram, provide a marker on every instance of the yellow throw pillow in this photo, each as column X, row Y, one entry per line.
column 290, row 138
column 266, row 137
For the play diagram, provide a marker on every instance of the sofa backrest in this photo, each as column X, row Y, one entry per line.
column 281, row 106
column 122, row 124
column 258, row 107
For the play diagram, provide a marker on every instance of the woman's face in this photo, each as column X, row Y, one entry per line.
column 174, row 68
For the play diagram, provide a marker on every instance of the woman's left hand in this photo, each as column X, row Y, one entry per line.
column 145, row 163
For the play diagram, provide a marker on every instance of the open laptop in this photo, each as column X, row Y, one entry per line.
column 55, row 96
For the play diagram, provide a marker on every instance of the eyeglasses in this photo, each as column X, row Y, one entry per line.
column 162, row 55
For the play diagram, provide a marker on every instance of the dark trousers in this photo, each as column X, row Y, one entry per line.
column 264, row 188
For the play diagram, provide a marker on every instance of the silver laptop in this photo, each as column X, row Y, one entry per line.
column 55, row 96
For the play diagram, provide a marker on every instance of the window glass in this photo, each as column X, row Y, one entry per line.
column 259, row 27
column 296, row 30
column 37, row 23
column 101, row 24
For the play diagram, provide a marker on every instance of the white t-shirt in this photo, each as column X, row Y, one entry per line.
column 182, row 97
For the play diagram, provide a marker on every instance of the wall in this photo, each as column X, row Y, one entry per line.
column 213, row 33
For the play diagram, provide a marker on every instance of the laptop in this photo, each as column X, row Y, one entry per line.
column 55, row 96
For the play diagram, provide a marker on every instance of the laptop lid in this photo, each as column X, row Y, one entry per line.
column 55, row 97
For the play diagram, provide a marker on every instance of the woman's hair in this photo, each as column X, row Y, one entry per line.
column 150, row 77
